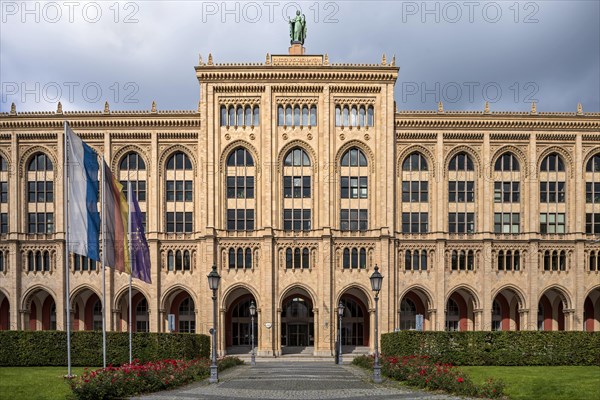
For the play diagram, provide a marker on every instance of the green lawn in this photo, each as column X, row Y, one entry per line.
column 34, row 382
column 556, row 383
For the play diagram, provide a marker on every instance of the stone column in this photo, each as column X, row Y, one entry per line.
column 160, row 323
column 23, row 319
column 478, row 319
column 433, row 322
column 523, row 319
column 221, row 333
column 570, row 319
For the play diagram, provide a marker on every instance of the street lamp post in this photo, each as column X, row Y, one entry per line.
column 252, row 313
column 376, row 279
column 213, row 284
column 340, row 315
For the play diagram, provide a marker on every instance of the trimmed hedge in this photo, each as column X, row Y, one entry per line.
column 497, row 348
column 49, row 348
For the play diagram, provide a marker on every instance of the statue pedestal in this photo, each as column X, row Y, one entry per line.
column 297, row 49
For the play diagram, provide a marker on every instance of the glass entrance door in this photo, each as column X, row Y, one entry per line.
column 297, row 334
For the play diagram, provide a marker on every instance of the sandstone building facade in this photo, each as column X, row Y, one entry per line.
column 295, row 177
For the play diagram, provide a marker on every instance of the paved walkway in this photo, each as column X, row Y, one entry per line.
column 296, row 380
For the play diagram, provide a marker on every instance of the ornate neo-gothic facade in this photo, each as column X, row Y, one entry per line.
column 295, row 177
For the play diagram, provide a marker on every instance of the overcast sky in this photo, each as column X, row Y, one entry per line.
column 462, row 53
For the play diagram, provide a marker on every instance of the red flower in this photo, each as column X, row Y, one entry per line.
column 460, row 380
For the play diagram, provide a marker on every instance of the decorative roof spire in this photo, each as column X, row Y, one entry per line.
column 383, row 60
column 210, row 60
column 13, row 109
column 440, row 107
column 268, row 59
column 106, row 108
column 579, row 109
column 533, row 108
column 326, row 60
column 486, row 109
column 59, row 108
column 200, row 61
column 154, row 106
column 393, row 64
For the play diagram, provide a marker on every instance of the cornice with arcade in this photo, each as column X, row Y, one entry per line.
column 440, row 121
column 306, row 74
column 291, row 88
column 101, row 121
column 350, row 101
column 239, row 101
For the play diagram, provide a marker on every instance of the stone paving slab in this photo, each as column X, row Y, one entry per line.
column 295, row 381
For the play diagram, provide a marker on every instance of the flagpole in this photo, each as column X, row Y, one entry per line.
column 67, row 240
column 103, row 187
column 129, row 197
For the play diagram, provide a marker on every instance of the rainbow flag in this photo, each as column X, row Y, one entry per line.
column 116, row 209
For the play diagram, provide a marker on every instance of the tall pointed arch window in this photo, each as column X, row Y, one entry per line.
column 592, row 195
column 461, row 194
column 354, row 191
column 132, row 169
column 553, row 188
column 297, row 190
column 179, row 189
column 40, row 194
column 240, row 188
column 3, row 196
column 415, row 194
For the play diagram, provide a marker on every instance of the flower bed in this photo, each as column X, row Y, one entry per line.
column 136, row 378
column 421, row 372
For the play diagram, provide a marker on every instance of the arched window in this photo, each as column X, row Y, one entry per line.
column 461, row 194
column 354, row 258
column 2, row 261
column 240, row 258
column 179, row 260
column 179, row 193
column 552, row 163
column 415, row 260
column 594, row 261
column 354, row 191
column 507, row 162
column 288, row 116
column 3, row 196
column 338, row 116
column 280, row 116
column 46, row 261
column 132, row 168
column 507, row 189
column 223, row 116
column 553, row 190
column 240, row 116
column 353, row 116
column 256, row 111
column 362, row 118
column 187, row 316
column 141, row 316
column 362, row 262
column 592, row 195
column 248, row 115
column 370, row 116
column 461, row 162
column 346, row 258
column 415, row 189
column 170, row 261
column 305, row 116
column 186, row 260
column 313, row 115
column 40, row 195
column 38, row 261
column 408, row 315
column 240, row 190
column 297, row 115
column 231, row 116
column 297, row 185
column 462, row 260
column 415, row 162
column 298, row 258
column 345, row 116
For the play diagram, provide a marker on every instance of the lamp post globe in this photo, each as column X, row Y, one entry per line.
column 376, row 280
column 252, row 314
column 340, row 315
column 213, row 283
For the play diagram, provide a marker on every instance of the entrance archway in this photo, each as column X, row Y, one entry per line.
column 416, row 301
column 42, row 310
column 460, row 311
column 551, row 316
column 180, row 303
column 238, row 330
column 88, row 309
column 297, row 323
column 140, row 317
column 505, row 310
column 591, row 311
column 4, row 312
column 355, row 320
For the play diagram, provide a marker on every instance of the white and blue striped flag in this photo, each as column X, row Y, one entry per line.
column 84, row 219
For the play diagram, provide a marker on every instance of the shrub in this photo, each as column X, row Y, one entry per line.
column 497, row 348
column 422, row 372
column 136, row 378
column 49, row 348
